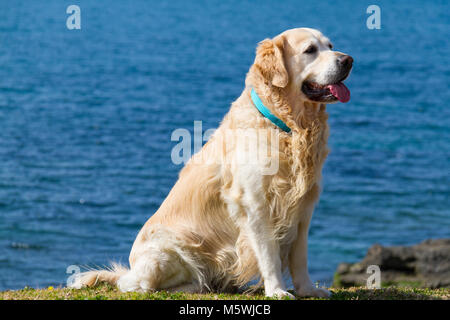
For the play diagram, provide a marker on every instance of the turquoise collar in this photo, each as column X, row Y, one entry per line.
column 266, row 113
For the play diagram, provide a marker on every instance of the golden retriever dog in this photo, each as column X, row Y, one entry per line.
column 227, row 222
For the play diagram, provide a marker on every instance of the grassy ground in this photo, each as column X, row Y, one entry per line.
column 108, row 293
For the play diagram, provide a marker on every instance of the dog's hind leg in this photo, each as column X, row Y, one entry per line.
column 160, row 262
column 155, row 271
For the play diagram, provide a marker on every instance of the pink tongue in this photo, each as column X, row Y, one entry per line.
column 340, row 91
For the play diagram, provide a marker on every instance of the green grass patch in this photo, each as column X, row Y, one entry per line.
column 105, row 292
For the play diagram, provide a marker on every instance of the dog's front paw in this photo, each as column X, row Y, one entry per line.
column 312, row 291
column 279, row 294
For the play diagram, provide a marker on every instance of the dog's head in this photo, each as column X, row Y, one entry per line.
column 302, row 60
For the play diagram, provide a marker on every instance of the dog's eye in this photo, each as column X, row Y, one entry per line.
column 311, row 49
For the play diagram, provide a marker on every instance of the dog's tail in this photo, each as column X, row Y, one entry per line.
column 92, row 278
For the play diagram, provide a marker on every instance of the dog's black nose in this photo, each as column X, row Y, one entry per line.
column 346, row 61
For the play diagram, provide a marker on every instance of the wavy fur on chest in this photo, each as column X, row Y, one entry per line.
column 305, row 152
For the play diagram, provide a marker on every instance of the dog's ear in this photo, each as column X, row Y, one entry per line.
column 270, row 61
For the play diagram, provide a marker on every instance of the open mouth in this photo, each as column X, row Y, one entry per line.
column 326, row 93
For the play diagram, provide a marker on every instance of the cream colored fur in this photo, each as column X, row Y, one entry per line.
column 225, row 223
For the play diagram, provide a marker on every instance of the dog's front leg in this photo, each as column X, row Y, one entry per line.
column 298, row 261
column 266, row 250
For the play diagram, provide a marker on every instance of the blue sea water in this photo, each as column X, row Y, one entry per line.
column 86, row 118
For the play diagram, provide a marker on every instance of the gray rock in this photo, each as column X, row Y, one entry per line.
column 425, row 265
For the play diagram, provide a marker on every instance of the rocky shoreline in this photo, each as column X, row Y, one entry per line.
column 425, row 265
